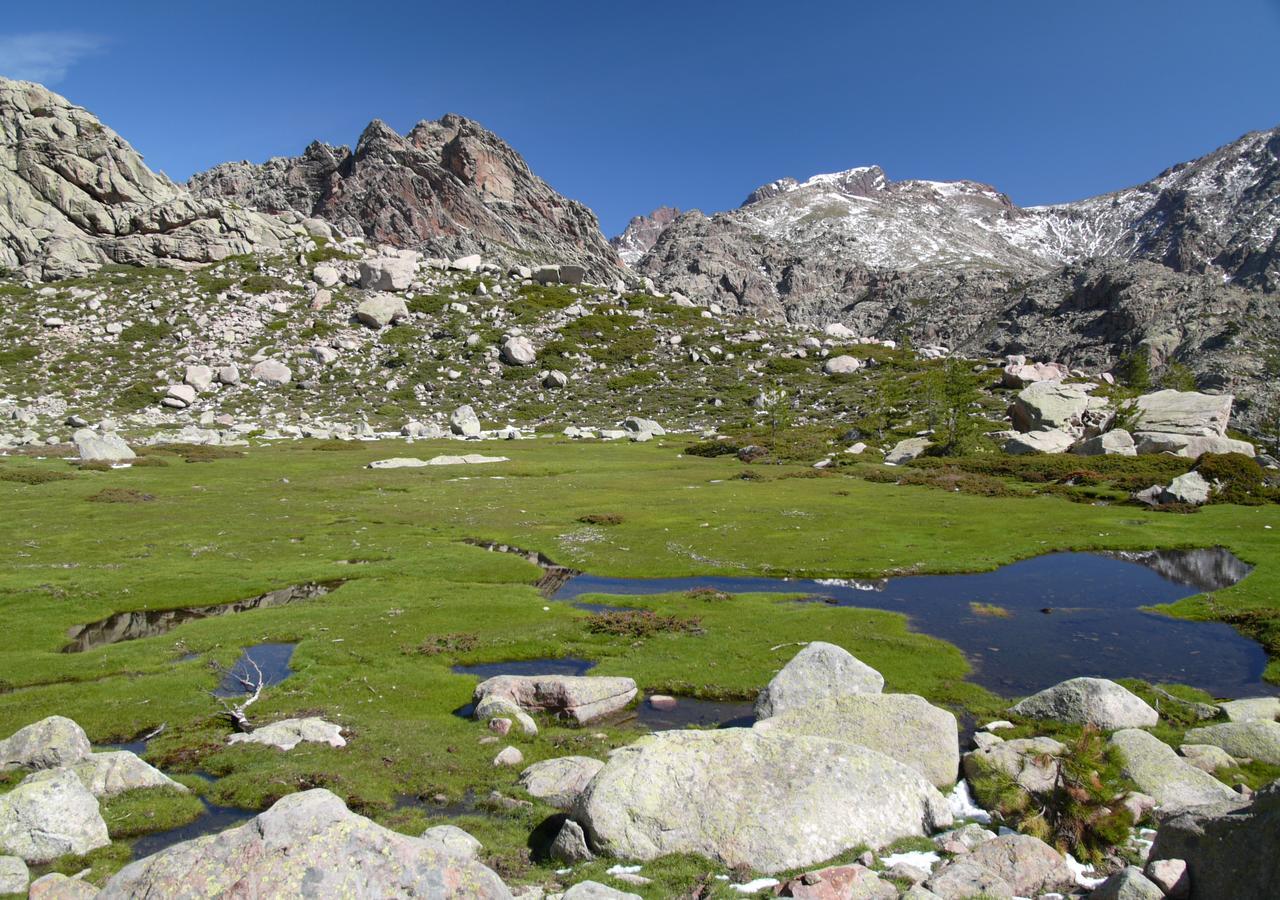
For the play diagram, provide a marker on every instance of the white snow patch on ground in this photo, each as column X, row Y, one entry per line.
column 921, row 859
column 1079, row 869
column 752, row 887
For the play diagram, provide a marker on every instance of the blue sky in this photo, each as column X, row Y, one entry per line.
column 693, row 104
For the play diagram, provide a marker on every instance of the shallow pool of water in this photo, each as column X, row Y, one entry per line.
column 211, row 821
column 1055, row 617
column 690, row 712
column 271, row 660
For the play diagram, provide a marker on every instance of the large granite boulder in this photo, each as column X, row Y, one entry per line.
column 47, row 744
column 1184, row 412
column 1027, row 864
column 95, row 446
column 306, row 845
column 1157, row 770
column 463, row 421
column 1254, row 739
column 962, row 879
column 1089, row 701
column 1116, row 442
column 1054, row 406
column 906, row 450
column 819, row 671
column 117, row 771
column 518, row 350
column 559, row 782
column 766, row 801
column 582, row 698
column 50, row 814
column 381, row 310
column 390, row 272
column 14, row 875
column 1251, row 709
column 1229, row 849
column 901, row 726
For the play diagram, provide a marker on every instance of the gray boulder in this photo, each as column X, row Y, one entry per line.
column 1190, row 488
column 288, row 733
column 47, row 744
column 1055, row 406
column 1206, row 757
column 307, row 844
column 381, row 310
column 570, row 845
column 643, row 426
column 1053, row 440
column 50, row 814
column 594, row 890
column 56, row 886
column 1184, row 412
column 1089, row 701
column 582, row 698
column 1032, row 762
column 901, row 726
column 1158, row 771
column 818, row 672
column 1229, row 849
column 272, row 373
column 1255, row 739
column 559, row 782
column 1127, row 884
column 1188, row 445
column 92, row 445
column 1116, row 442
column 117, row 771
column 14, row 876
column 905, row 451
column 464, row 421
column 518, row 350
column 744, row 798
column 841, row 365
column 963, row 879
column 1027, row 864
column 1252, row 708
column 452, row 839
column 388, row 273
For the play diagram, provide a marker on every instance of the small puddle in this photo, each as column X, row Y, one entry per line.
column 467, row 805
column 690, row 712
column 130, row 626
column 568, row 665
column 212, row 820
column 272, row 660
column 1033, row 623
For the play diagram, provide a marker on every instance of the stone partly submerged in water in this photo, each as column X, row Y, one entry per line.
column 1089, row 701
column 765, row 801
column 47, row 744
column 817, row 672
column 50, row 814
column 582, row 698
column 901, row 726
column 307, row 844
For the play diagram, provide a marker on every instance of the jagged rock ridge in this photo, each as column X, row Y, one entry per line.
column 448, row 187
column 642, row 232
column 74, row 194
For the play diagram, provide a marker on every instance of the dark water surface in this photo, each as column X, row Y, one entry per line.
column 1068, row 614
column 272, row 660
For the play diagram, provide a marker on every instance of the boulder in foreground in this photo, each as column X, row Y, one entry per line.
column 306, row 845
column 765, row 801
column 50, row 814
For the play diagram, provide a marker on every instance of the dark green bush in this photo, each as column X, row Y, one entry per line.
column 1238, row 478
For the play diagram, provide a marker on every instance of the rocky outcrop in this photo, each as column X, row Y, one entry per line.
column 764, row 801
column 901, row 726
column 818, row 672
column 1089, row 701
column 74, row 195
column 307, row 844
column 449, row 187
column 1229, row 849
column 642, row 233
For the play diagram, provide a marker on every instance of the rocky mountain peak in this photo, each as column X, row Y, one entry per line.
column 74, row 194
column 641, row 233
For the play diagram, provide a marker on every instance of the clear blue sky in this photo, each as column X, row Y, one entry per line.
column 693, row 104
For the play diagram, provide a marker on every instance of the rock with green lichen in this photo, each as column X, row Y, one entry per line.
column 1157, row 770
column 901, row 726
column 307, row 844
column 817, row 672
column 50, row 814
column 767, row 801
column 55, row 741
column 1255, row 739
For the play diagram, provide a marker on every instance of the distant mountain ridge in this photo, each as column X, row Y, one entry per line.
column 449, row 187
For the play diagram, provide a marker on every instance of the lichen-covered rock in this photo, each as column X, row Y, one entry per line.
column 766, row 801
column 1027, row 864
column 1089, row 701
column 1254, row 739
column 47, row 744
column 381, row 310
column 963, row 879
column 1127, row 884
column 582, row 698
column 1206, row 756
column 288, row 733
column 1032, row 762
column 906, row 450
column 594, row 890
column 559, row 782
column 570, row 845
column 1229, row 848
column 1157, row 770
column 1184, row 412
column 819, row 671
column 307, row 844
column 14, row 876
column 854, row 882
column 56, row 886
column 901, row 726
column 272, row 373
column 1251, row 708
column 117, row 771
column 49, row 814
column 453, row 839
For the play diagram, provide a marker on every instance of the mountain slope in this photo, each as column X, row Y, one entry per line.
column 642, row 232
column 448, row 187
column 74, row 194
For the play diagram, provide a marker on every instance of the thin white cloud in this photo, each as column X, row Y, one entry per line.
column 44, row 56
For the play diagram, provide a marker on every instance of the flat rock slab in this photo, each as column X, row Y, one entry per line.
column 1248, row 710
column 407, row 462
column 306, row 845
column 766, row 801
column 1157, row 770
column 583, row 698
column 1255, row 739
column 901, row 726
column 288, row 733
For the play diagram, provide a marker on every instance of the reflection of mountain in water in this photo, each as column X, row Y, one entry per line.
column 1208, row 569
column 129, row 626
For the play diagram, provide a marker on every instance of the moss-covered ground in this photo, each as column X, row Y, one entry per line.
column 375, row 655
